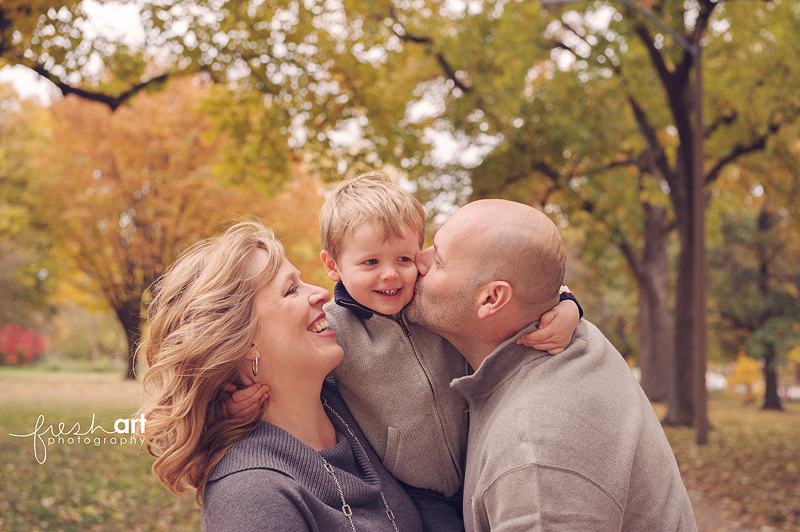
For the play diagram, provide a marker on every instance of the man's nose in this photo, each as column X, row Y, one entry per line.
column 422, row 262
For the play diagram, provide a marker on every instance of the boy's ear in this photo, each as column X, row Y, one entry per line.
column 492, row 298
column 329, row 263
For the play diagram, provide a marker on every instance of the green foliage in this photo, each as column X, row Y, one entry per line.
column 49, row 37
column 27, row 270
column 754, row 277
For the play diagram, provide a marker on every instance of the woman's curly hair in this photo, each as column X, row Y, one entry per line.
column 201, row 324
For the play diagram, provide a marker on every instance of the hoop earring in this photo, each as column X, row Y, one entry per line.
column 255, row 366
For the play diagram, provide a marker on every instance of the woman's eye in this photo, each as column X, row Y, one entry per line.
column 292, row 290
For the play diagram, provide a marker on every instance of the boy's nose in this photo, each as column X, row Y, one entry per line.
column 389, row 273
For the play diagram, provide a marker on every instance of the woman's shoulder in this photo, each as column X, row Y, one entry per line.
column 251, row 499
column 267, row 448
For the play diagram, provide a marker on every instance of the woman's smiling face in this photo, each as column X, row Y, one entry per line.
column 293, row 339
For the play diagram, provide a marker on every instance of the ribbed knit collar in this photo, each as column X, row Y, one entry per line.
column 270, row 447
column 343, row 298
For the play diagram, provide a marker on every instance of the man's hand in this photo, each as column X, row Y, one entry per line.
column 247, row 401
column 555, row 329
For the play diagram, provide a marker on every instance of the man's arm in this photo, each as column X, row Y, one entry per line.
column 537, row 498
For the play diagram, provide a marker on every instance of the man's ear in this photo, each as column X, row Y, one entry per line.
column 329, row 263
column 493, row 297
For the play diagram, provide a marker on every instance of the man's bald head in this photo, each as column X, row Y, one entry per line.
column 518, row 244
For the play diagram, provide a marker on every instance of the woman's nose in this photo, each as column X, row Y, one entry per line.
column 318, row 295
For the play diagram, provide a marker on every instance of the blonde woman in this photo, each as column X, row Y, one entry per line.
column 234, row 309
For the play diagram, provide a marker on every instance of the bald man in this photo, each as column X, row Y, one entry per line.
column 555, row 443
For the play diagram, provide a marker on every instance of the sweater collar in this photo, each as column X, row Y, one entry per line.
column 270, row 447
column 343, row 298
column 501, row 364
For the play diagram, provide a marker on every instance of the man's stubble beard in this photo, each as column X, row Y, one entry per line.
column 446, row 315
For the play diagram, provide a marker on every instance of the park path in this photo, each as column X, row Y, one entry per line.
column 711, row 518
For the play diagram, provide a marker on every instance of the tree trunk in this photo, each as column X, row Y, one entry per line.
column 655, row 344
column 772, row 400
column 94, row 339
column 130, row 318
column 680, row 398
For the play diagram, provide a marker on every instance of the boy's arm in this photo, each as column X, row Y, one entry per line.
column 556, row 325
column 245, row 402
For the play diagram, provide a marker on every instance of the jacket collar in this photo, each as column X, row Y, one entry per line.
column 344, row 299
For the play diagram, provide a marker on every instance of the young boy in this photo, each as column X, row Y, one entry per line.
column 395, row 375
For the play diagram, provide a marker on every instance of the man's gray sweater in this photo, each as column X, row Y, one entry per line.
column 567, row 443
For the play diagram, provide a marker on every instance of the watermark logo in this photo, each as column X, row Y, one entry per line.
column 123, row 434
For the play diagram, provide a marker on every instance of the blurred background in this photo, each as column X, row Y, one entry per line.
column 661, row 136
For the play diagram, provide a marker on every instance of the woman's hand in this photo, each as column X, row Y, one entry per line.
column 555, row 329
column 247, row 401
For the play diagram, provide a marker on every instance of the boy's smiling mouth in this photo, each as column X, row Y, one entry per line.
column 392, row 292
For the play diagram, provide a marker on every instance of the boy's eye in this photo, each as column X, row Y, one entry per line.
column 292, row 290
column 371, row 262
column 405, row 259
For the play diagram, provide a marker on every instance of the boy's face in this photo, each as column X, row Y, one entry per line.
column 380, row 274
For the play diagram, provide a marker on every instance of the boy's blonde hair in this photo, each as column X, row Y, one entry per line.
column 368, row 198
column 202, row 322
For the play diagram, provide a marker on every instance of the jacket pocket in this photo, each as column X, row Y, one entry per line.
column 393, row 449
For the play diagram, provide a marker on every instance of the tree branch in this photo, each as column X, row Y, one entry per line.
column 439, row 56
column 650, row 136
column 741, row 149
column 724, row 120
column 113, row 102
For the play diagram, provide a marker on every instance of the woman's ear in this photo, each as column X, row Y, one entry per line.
column 329, row 263
column 248, row 364
column 493, row 298
column 252, row 353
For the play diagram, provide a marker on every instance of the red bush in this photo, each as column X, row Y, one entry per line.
column 19, row 346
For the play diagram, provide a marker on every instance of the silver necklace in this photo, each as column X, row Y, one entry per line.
column 348, row 512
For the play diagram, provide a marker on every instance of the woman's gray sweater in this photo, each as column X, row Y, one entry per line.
column 272, row 481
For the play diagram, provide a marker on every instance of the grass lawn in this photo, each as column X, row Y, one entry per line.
column 80, row 487
column 751, row 466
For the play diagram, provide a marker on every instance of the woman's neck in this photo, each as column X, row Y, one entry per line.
column 301, row 415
